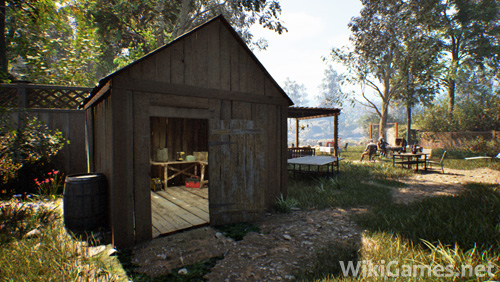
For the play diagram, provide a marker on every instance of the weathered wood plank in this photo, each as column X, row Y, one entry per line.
column 140, row 135
column 272, row 155
column 235, row 66
column 201, row 57
column 190, row 60
column 202, row 192
column 177, row 62
column 198, row 196
column 165, row 213
column 189, row 206
column 176, row 212
column 178, row 112
column 213, row 56
column 225, row 58
column 241, row 110
column 193, row 91
column 283, row 148
column 166, row 100
column 121, row 160
column 163, row 66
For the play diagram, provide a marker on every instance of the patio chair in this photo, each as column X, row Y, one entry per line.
column 440, row 162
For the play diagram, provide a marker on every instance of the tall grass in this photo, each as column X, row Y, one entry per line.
column 49, row 254
column 357, row 184
column 455, row 232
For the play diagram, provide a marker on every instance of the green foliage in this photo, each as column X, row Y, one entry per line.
column 18, row 218
column 283, row 205
column 477, row 113
column 49, row 42
column 51, row 185
column 48, row 255
column 27, row 149
column 238, row 230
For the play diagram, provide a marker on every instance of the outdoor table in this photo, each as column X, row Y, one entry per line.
column 318, row 161
column 411, row 158
column 173, row 167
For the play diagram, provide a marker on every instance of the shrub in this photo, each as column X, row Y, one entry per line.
column 28, row 149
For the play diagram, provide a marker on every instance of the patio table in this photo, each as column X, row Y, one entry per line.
column 410, row 159
column 317, row 161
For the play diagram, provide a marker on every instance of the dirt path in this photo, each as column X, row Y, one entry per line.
column 286, row 242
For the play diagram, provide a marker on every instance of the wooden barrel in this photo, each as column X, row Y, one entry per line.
column 85, row 203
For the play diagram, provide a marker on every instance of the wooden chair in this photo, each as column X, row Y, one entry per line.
column 440, row 162
column 428, row 152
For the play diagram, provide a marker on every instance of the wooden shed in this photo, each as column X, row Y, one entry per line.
column 205, row 92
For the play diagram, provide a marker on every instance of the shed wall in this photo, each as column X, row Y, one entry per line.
column 206, row 75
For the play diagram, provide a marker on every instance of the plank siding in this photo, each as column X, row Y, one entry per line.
column 203, row 92
column 122, row 188
column 177, row 62
column 139, row 104
column 163, row 67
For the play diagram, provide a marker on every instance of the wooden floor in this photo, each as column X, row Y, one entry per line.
column 178, row 208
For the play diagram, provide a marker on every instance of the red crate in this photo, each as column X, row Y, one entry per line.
column 193, row 182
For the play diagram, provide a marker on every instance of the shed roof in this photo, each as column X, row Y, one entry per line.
column 302, row 113
column 106, row 79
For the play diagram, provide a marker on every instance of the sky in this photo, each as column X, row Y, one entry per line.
column 314, row 28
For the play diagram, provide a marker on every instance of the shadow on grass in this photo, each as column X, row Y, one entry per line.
column 471, row 219
column 356, row 185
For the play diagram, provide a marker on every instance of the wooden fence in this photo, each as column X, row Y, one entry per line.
column 56, row 106
column 453, row 139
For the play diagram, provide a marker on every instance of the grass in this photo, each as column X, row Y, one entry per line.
column 438, row 231
column 451, row 231
column 50, row 255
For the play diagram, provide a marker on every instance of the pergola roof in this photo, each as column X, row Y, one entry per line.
column 302, row 113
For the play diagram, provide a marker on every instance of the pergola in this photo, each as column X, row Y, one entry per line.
column 303, row 113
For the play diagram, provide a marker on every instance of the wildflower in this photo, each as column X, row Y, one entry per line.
column 18, row 196
column 56, row 171
column 47, row 180
column 49, row 173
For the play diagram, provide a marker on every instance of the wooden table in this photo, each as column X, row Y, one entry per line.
column 317, row 161
column 411, row 159
column 173, row 167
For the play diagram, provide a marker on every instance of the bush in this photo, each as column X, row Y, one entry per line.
column 480, row 145
column 28, row 150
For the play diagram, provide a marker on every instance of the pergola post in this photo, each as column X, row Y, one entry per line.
column 336, row 134
column 296, row 132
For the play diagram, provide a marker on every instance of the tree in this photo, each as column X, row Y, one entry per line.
column 416, row 69
column 130, row 29
column 469, row 31
column 376, row 36
column 49, row 43
column 330, row 89
column 296, row 92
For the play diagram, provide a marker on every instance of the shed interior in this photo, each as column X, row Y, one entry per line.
column 179, row 154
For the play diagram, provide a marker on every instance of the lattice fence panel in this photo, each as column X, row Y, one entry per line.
column 42, row 96
column 55, row 98
column 9, row 97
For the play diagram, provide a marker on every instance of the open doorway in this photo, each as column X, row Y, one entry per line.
column 179, row 174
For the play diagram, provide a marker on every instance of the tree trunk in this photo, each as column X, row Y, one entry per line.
column 408, row 122
column 184, row 19
column 3, row 48
column 383, row 120
column 451, row 96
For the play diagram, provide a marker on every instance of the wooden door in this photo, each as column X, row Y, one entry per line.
column 237, row 168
